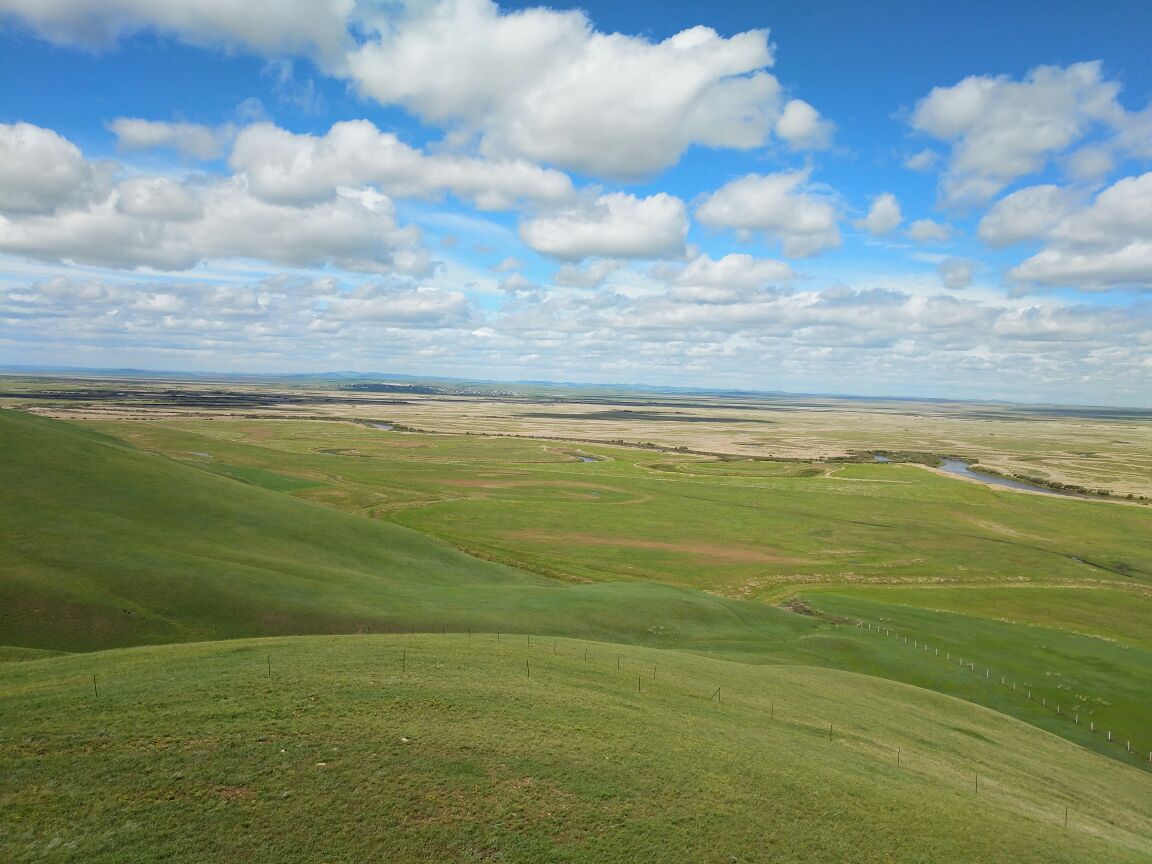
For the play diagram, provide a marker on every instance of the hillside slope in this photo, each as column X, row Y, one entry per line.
column 449, row 748
column 106, row 546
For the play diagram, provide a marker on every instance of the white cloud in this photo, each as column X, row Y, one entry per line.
column 1002, row 129
column 190, row 139
column 150, row 222
column 615, row 225
column 1026, row 214
column 507, row 265
column 1090, row 164
column 802, row 127
column 883, row 217
column 1107, row 243
column 157, row 198
column 783, row 206
column 590, row 275
column 734, row 278
column 956, row 273
column 544, row 85
column 880, row 341
column 41, row 171
column 402, row 306
column 1135, row 135
column 518, row 285
column 929, row 231
column 287, row 168
column 924, row 160
column 315, row 27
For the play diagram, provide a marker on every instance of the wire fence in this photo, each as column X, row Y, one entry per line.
column 1022, row 689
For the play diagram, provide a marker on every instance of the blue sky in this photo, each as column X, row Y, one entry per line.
column 891, row 198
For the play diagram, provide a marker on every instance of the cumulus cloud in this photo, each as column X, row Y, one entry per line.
column 956, row 273
column 190, row 139
column 589, row 275
column 536, row 83
column 1107, row 243
column 162, row 227
column 1001, row 129
column 41, row 171
column 1026, row 214
column 519, row 285
column 314, row 27
column 402, row 305
column 783, row 206
column 923, row 160
column 731, row 279
column 802, row 127
column 615, row 225
column 279, row 319
column 545, row 85
column 1090, row 164
column 284, row 167
column 929, row 231
column 853, row 336
column 883, row 217
column 57, row 206
column 1135, row 135
column 157, row 198
column 864, row 338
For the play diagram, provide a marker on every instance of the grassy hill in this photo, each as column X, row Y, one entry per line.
column 106, row 546
column 482, row 745
column 450, row 748
column 112, row 546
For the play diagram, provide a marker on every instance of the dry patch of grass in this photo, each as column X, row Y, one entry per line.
column 706, row 552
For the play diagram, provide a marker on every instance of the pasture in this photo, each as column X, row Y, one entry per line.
column 449, row 748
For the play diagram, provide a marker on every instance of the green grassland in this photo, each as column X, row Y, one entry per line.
column 618, row 527
column 742, row 528
column 120, row 534
column 1090, row 447
column 106, row 546
column 445, row 748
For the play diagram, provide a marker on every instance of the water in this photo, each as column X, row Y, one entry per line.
column 961, row 469
column 387, row 427
column 876, row 457
column 586, row 458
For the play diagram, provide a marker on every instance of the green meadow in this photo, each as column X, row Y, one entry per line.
column 975, row 631
column 449, row 748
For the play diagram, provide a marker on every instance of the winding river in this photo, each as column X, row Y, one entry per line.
column 961, row 469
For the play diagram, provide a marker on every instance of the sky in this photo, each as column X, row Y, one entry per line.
column 894, row 198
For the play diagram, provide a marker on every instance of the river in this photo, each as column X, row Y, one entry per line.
column 961, row 469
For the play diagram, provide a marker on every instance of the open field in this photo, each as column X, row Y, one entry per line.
column 617, row 549
column 1095, row 448
column 957, row 623
column 418, row 748
column 106, row 546
column 745, row 529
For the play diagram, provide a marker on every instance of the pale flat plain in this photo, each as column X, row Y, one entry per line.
column 1095, row 448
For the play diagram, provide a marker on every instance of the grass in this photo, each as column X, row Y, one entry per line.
column 664, row 518
column 346, row 751
column 1116, row 614
column 107, row 547
column 1095, row 682
column 621, row 526
column 289, row 749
